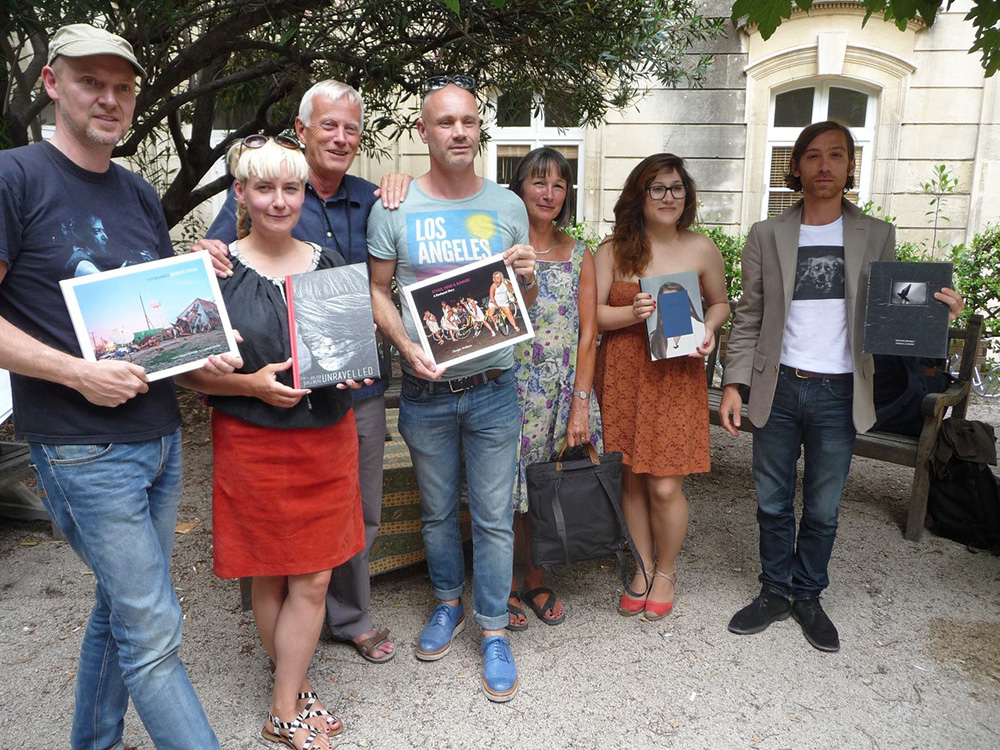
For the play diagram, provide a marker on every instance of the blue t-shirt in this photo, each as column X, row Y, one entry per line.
column 339, row 222
column 58, row 220
column 427, row 236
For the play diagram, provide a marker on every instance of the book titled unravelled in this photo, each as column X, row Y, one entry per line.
column 902, row 317
column 330, row 326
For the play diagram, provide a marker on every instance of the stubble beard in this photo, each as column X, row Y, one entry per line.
column 89, row 131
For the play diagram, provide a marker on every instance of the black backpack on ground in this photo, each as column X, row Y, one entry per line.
column 900, row 384
column 964, row 497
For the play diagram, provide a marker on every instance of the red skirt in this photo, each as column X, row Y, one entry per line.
column 284, row 502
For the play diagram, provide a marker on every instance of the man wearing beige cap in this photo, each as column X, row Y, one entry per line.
column 106, row 443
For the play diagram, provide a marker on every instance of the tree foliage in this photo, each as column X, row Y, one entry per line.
column 985, row 17
column 243, row 64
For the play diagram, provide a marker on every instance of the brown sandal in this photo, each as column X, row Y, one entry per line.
column 367, row 647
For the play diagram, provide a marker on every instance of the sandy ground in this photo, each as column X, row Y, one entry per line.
column 919, row 624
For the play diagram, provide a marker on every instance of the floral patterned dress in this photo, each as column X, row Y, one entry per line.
column 545, row 368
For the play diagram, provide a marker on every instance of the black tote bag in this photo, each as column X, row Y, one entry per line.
column 574, row 511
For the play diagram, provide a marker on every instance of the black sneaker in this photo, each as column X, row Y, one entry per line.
column 768, row 607
column 817, row 627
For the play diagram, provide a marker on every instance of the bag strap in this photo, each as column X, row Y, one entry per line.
column 560, row 519
column 620, row 552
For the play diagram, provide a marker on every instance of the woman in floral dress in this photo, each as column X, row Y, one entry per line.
column 555, row 370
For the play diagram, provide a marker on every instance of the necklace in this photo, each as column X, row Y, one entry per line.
column 551, row 248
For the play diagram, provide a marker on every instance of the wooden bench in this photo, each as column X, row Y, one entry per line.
column 886, row 446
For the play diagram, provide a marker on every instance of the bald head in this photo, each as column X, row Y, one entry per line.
column 449, row 124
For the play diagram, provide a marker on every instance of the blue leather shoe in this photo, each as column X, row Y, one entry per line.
column 442, row 626
column 499, row 670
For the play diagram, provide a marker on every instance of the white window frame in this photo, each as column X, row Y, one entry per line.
column 785, row 137
column 535, row 136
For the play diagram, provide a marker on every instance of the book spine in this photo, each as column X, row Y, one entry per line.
column 292, row 335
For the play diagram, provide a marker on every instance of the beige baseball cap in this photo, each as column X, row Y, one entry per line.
column 83, row 40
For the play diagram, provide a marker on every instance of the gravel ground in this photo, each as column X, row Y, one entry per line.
column 919, row 622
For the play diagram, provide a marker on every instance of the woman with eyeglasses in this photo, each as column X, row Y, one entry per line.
column 555, row 370
column 655, row 412
column 286, row 503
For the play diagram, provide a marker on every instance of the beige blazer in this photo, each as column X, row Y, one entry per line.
column 770, row 257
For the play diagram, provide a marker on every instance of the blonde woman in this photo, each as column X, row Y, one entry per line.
column 286, row 503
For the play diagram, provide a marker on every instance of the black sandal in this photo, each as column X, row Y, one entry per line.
column 513, row 609
column 528, row 597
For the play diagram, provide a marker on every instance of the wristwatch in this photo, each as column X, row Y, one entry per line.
column 583, row 395
column 525, row 284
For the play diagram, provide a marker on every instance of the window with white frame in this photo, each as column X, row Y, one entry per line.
column 520, row 125
column 794, row 108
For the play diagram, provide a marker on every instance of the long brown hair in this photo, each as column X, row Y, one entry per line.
column 630, row 245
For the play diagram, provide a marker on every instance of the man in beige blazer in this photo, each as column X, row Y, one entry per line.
column 796, row 342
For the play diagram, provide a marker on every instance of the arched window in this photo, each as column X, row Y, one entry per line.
column 791, row 110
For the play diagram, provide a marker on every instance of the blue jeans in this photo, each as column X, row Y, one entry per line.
column 814, row 414
column 483, row 423
column 117, row 506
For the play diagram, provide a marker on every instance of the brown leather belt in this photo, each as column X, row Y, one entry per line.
column 454, row 386
column 795, row 372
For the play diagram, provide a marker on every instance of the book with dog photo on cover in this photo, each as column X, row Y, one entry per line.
column 677, row 325
column 330, row 326
column 902, row 317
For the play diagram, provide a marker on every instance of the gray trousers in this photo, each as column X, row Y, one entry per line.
column 349, row 594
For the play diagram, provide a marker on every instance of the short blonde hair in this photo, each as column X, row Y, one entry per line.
column 266, row 161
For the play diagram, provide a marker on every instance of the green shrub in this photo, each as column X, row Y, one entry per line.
column 731, row 248
column 582, row 231
column 977, row 277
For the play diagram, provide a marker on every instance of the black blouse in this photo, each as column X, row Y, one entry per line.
column 256, row 306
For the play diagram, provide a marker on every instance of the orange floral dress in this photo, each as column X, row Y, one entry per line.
column 655, row 413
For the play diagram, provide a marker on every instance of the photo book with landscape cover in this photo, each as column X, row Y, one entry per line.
column 330, row 325
column 902, row 317
column 469, row 311
column 166, row 315
column 677, row 325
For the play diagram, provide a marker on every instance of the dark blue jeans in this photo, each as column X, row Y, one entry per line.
column 814, row 414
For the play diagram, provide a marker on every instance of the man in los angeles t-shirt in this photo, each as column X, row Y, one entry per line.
column 106, row 443
column 452, row 217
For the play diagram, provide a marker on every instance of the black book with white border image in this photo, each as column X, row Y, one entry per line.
column 330, row 326
column 901, row 316
column 166, row 315
column 469, row 311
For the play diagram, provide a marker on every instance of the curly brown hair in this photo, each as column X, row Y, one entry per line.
column 631, row 247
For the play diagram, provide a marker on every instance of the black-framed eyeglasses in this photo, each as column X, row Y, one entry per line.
column 659, row 192
column 439, row 82
column 257, row 140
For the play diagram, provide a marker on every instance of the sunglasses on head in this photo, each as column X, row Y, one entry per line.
column 439, row 82
column 259, row 139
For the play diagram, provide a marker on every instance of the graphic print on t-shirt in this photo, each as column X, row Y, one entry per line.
column 820, row 273
column 440, row 241
column 88, row 247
